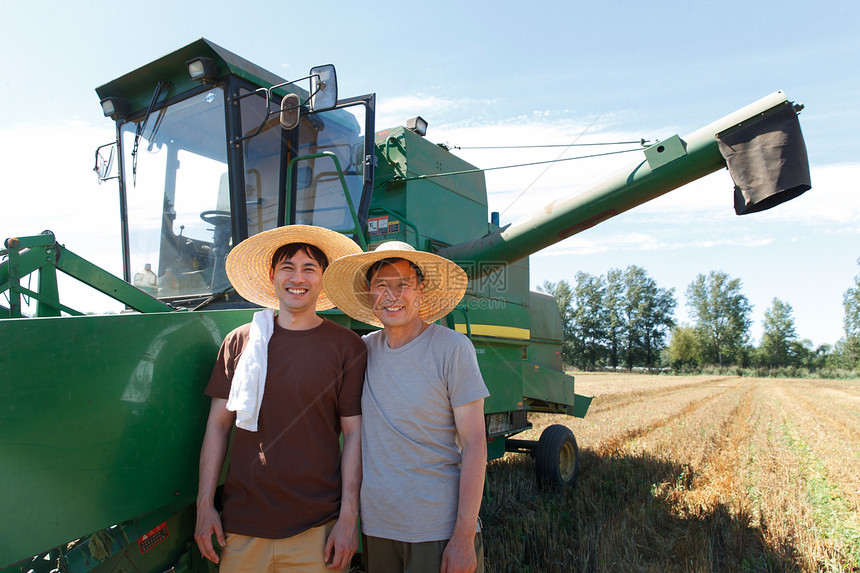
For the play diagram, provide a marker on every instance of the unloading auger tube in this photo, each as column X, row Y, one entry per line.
column 667, row 165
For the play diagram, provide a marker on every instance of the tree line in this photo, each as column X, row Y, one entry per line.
column 623, row 319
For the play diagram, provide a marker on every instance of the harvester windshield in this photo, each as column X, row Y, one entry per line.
column 177, row 193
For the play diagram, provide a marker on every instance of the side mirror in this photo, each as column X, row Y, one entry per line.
column 323, row 88
column 104, row 165
column 290, row 111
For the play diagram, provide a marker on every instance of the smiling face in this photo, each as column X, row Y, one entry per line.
column 298, row 282
column 395, row 294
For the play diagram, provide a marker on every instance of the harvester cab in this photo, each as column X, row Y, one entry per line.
column 100, row 432
column 213, row 149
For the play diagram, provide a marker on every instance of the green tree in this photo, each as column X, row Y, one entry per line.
column 805, row 355
column 648, row 311
column 821, row 357
column 564, row 298
column 588, row 320
column 634, row 286
column 721, row 314
column 777, row 343
column 659, row 323
column 851, row 321
column 614, row 305
column 684, row 349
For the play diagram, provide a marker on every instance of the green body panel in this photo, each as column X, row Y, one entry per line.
column 580, row 406
column 495, row 448
column 500, row 368
column 546, row 331
column 497, row 304
column 446, row 210
column 102, row 419
column 547, row 385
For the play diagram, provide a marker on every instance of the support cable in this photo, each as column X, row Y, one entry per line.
column 643, row 142
column 542, row 173
column 477, row 170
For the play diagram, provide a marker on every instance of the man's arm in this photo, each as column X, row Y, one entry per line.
column 342, row 542
column 459, row 555
column 212, row 456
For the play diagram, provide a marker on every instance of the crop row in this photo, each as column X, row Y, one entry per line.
column 710, row 474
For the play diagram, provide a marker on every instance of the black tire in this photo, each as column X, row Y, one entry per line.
column 556, row 457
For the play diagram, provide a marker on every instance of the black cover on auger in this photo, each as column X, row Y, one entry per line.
column 767, row 161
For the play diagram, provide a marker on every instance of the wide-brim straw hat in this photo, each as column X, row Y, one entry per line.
column 249, row 262
column 444, row 282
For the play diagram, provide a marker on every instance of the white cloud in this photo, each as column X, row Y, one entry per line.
column 391, row 112
column 638, row 242
column 834, row 197
column 585, row 245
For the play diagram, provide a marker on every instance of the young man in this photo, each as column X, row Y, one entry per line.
column 291, row 383
column 424, row 447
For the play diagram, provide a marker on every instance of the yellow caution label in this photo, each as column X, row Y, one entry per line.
column 496, row 331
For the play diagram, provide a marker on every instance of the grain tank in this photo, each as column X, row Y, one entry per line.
column 103, row 415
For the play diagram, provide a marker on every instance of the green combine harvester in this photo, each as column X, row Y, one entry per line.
column 103, row 416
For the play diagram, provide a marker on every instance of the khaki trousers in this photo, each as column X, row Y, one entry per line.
column 302, row 553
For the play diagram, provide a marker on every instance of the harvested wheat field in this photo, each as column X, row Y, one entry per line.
column 697, row 473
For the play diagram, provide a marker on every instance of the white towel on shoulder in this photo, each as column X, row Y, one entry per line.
column 249, row 380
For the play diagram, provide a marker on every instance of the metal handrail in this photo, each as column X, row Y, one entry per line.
column 356, row 225
column 468, row 321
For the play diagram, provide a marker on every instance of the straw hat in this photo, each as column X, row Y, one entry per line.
column 249, row 262
column 444, row 282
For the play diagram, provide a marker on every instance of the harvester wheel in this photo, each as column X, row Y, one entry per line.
column 556, row 457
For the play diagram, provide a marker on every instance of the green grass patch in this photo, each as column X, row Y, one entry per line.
column 834, row 519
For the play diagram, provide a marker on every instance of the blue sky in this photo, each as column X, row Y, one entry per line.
column 490, row 74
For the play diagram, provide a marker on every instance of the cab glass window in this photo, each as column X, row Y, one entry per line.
column 177, row 191
column 320, row 197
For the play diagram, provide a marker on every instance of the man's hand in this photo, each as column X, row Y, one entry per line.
column 341, row 544
column 208, row 522
column 342, row 541
column 212, row 455
column 459, row 556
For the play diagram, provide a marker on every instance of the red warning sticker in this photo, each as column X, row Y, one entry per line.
column 152, row 538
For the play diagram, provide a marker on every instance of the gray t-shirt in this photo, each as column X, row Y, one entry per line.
column 410, row 449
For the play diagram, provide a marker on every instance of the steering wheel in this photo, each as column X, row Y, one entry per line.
column 215, row 217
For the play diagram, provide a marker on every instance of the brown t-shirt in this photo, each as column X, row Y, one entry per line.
column 285, row 478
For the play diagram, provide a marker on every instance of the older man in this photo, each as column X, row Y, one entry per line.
column 424, row 446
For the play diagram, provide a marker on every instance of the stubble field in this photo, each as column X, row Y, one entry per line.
column 696, row 473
